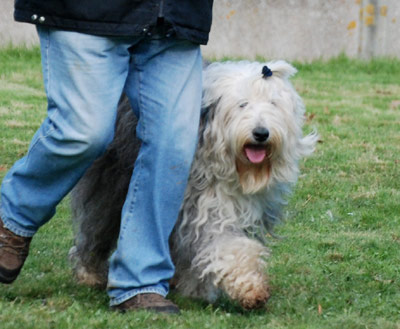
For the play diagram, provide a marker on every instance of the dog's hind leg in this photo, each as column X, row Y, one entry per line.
column 96, row 224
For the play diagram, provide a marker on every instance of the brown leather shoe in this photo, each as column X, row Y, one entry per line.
column 148, row 302
column 13, row 252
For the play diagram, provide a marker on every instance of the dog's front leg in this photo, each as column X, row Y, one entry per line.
column 237, row 266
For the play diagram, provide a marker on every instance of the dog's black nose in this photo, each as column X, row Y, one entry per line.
column 260, row 134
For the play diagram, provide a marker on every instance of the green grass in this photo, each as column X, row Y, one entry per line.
column 338, row 263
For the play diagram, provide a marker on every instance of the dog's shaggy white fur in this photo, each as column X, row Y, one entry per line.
column 247, row 161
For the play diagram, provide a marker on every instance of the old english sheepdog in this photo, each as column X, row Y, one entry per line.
column 247, row 161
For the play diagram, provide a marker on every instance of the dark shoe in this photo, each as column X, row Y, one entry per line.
column 148, row 302
column 13, row 252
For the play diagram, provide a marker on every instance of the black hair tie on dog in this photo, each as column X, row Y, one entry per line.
column 266, row 72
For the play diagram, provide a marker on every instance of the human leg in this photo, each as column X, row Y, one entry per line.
column 164, row 85
column 84, row 76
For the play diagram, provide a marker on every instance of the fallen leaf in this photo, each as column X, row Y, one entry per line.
column 379, row 279
column 330, row 215
column 395, row 104
column 309, row 197
column 310, row 117
column 337, row 120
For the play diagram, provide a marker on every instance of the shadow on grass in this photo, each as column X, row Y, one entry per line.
column 58, row 290
column 222, row 305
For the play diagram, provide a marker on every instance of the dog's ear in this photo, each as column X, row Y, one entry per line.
column 207, row 112
column 282, row 69
column 207, row 115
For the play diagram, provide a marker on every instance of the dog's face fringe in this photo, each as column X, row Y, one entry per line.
column 255, row 124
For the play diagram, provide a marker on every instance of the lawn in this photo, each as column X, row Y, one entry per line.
column 337, row 264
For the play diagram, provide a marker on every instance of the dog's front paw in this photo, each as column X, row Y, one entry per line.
column 254, row 298
column 249, row 289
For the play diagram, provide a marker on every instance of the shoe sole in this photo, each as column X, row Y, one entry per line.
column 7, row 279
column 155, row 309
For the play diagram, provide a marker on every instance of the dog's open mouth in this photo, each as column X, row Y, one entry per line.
column 255, row 153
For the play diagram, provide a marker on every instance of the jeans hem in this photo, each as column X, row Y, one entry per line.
column 15, row 228
column 134, row 292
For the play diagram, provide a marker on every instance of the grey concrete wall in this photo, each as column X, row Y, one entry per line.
column 305, row 29
column 289, row 29
column 12, row 33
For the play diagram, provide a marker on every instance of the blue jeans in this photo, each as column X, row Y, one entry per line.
column 84, row 76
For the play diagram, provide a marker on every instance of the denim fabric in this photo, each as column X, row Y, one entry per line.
column 84, row 76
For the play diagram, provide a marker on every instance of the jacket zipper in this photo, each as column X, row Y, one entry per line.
column 161, row 10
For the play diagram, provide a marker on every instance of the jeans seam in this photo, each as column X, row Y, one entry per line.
column 138, row 165
column 140, row 102
column 49, row 84
column 48, row 93
column 47, row 48
column 143, row 125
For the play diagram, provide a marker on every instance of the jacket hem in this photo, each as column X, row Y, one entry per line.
column 107, row 28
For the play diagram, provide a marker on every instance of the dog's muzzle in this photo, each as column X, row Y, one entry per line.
column 257, row 151
column 260, row 134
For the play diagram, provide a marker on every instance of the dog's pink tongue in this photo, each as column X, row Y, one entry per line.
column 255, row 155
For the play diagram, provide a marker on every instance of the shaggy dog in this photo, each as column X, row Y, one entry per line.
column 247, row 161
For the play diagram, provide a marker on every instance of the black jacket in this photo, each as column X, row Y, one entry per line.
column 190, row 19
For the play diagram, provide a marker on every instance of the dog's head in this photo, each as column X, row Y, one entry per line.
column 252, row 120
